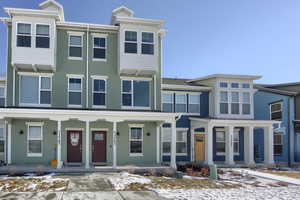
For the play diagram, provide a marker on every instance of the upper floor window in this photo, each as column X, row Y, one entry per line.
column 75, row 91
column 42, row 36
column 180, row 103
column 224, row 102
column 223, row 85
column 234, row 85
column 147, row 43
column 2, row 96
column 35, row 90
column 130, row 42
column 75, row 46
column 246, row 103
column 194, row 103
column 35, row 140
column 235, row 103
column 276, row 111
column 136, row 93
column 99, row 48
column 167, row 102
column 246, row 85
column 136, row 141
column 278, row 143
column 99, row 92
column 23, row 35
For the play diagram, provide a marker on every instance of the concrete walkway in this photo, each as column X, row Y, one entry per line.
column 270, row 176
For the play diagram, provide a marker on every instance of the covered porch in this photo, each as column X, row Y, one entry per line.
column 222, row 140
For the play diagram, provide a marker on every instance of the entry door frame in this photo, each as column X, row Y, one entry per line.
column 91, row 142
column 193, row 133
column 203, row 135
column 74, row 129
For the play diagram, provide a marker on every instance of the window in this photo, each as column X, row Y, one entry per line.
column 2, row 139
column 136, row 93
column 246, row 103
column 136, row 141
column 235, row 105
column 130, row 42
column 99, row 48
column 234, row 85
column 99, row 92
column 194, row 103
column 276, row 111
column 236, row 141
column 35, row 90
column 223, row 85
column 75, row 90
column 147, row 43
column 42, row 39
column 2, row 96
column 35, row 140
column 180, row 103
column 181, row 141
column 246, row 85
column 75, row 46
column 278, row 143
column 224, row 102
column 167, row 102
column 23, row 35
column 220, row 141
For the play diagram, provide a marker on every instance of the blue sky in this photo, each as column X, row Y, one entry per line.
column 205, row 36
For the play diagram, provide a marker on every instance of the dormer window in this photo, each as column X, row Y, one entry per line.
column 23, row 35
column 234, row 85
column 147, row 43
column 223, row 85
column 42, row 36
column 130, row 42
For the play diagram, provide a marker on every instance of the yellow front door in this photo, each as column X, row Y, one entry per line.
column 199, row 147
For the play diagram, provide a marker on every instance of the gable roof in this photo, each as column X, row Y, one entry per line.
column 123, row 9
column 232, row 76
column 44, row 5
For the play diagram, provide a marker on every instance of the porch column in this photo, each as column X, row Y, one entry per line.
column 158, row 126
column 173, row 145
column 268, row 145
column 8, row 142
column 249, row 145
column 87, row 144
column 59, row 162
column 209, row 145
column 114, row 144
column 229, row 159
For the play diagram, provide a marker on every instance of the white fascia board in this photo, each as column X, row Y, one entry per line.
column 185, row 87
column 242, row 122
column 86, row 25
column 225, row 76
column 32, row 12
column 135, row 20
column 5, row 19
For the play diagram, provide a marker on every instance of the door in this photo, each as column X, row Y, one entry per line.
column 98, row 146
column 74, row 146
column 199, row 147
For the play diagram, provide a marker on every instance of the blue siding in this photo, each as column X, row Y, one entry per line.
column 262, row 102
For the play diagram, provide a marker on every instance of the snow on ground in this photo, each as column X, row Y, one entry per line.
column 121, row 180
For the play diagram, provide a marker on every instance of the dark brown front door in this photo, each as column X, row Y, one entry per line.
column 74, row 152
column 99, row 146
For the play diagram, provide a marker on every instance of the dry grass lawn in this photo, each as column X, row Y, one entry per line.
column 291, row 174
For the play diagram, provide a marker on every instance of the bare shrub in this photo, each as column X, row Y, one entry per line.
column 40, row 170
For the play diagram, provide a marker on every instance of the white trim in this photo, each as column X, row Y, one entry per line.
column 141, row 126
column 99, row 77
column 75, row 33
column 132, row 42
column 75, row 75
column 132, row 78
column 78, row 91
column 164, row 102
column 35, row 124
column 30, row 35
column 45, row 36
column 151, row 43
column 99, row 35
column 78, row 34
column 99, row 92
column 105, row 47
column 189, row 103
column 186, row 87
column 35, row 74
column 74, row 129
column 99, row 129
column 136, row 125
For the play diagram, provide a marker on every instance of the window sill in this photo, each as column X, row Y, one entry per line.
column 135, row 108
column 34, row 105
column 94, row 106
column 99, row 59
column 136, row 154
column 224, row 154
column 177, row 154
column 75, row 58
column 74, row 106
column 34, row 155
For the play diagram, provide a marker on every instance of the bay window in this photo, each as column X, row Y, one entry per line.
column 136, row 141
column 224, row 102
column 74, row 91
column 167, row 102
column 34, row 140
column 278, row 143
column 130, row 45
column 42, row 39
column 235, row 104
column 194, row 103
column 246, row 103
column 147, row 43
column 220, row 142
column 180, row 103
column 35, row 90
column 99, row 47
column 136, row 93
column 99, row 92
column 75, row 46
column 23, row 35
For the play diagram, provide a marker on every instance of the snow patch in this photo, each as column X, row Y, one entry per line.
column 120, row 181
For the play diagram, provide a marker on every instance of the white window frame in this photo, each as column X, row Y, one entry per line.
column 196, row 94
column 228, row 102
column 281, row 140
column 221, row 82
column 4, row 93
column 153, row 43
column 136, row 42
column 236, row 131
column 244, row 103
column 105, row 48
column 163, row 102
column 35, row 124
column 39, row 75
column 281, row 110
column 141, row 126
column 78, row 34
column 238, row 102
column 105, row 92
column 132, row 93
column 74, row 77
column 42, row 35
column 177, row 129
column 186, row 102
column 2, row 126
column 31, row 33
column 221, row 153
column 238, row 85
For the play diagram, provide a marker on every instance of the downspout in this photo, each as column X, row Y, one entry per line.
column 87, row 66
column 154, row 86
column 14, row 85
column 291, row 142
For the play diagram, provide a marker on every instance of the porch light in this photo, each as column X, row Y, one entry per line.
column 21, row 132
column 118, row 133
column 148, row 134
column 54, row 132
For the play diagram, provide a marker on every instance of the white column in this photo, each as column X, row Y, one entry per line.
column 209, row 145
column 114, row 144
column 8, row 143
column 87, row 144
column 268, row 145
column 59, row 162
column 249, row 145
column 173, row 145
column 229, row 158
column 157, row 143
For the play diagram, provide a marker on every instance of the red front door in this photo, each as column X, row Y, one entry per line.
column 74, row 146
column 99, row 146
